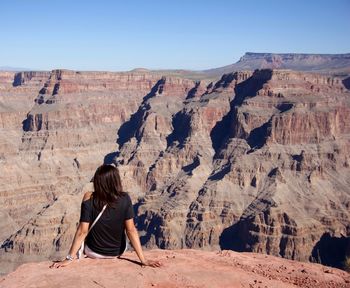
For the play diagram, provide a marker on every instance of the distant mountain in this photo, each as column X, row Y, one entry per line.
column 332, row 64
column 9, row 68
column 336, row 64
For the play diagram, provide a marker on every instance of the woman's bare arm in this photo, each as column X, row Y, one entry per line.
column 80, row 235
column 134, row 238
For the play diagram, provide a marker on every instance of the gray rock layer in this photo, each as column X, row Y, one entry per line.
column 256, row 161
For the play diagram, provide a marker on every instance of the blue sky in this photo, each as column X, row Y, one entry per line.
column 178, row 34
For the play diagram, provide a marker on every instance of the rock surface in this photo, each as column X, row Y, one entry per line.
column 56, row 129
column 180, row 268
column 256, row 161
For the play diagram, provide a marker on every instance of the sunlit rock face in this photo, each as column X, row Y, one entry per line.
column 57, row 128
column 257, row 164
column 255, row 161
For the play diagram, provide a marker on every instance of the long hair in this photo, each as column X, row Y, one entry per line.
column 107, row 186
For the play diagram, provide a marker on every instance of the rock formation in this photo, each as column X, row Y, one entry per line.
column 181, row 268
column 49, row 153
column 335, row 64
column 258, row 163
column 255, row 161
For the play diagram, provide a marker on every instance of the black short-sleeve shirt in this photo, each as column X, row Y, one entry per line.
column 107, row 237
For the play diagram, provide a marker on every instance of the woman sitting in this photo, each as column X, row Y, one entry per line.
column 107, row 237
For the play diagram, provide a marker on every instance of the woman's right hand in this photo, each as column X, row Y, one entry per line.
column 151, row 263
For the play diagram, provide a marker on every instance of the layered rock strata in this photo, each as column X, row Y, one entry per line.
column 259, row 162
column 256, row 161
column 52, row 151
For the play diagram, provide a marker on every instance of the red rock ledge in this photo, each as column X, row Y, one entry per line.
column 181, row 268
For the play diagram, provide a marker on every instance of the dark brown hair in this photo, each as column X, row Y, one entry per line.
column 107, row 186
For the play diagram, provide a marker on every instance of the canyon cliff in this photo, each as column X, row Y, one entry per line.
column 255, row 161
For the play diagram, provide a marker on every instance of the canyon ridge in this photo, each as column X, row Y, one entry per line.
column 249, row 157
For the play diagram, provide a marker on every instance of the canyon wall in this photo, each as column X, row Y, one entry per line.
column 255, row 161
column 56, row 128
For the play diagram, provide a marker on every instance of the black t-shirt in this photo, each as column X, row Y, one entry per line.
column 107, row 237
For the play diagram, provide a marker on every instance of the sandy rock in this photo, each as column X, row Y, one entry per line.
column 180, row 268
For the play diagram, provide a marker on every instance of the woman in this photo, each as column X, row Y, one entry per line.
column 107, row 238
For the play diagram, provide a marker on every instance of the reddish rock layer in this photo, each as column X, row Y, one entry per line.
column 181, row 268
column 52, row 151
column 253, row 162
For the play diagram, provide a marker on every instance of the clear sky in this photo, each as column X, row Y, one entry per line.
column 189, row 34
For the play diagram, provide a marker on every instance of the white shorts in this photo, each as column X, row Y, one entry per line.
column 91, row 254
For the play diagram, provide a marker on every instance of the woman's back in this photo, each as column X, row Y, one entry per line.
column 107, row 237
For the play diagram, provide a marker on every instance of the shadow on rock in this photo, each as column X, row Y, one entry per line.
column 110, row 158
column 130, row 128
column 249, row 88
column 230, row 239
column 346, row 83
column 330, row 251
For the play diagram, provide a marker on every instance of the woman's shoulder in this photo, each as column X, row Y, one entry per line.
column 88, row 191
column 87, row 196
column 124, row 197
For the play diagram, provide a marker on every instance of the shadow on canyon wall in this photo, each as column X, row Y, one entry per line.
column 329, row 250
column 225, row 129
column 110, row 158
column 346, row 83
column 230, row 239
column 130, row 128
column 181, row 123
column 17, row 80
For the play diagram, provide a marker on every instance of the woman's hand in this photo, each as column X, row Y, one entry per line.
column 134, row 238
column 62, row 263
column 151, row 263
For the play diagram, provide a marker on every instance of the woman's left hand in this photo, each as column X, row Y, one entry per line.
column 62, row 263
